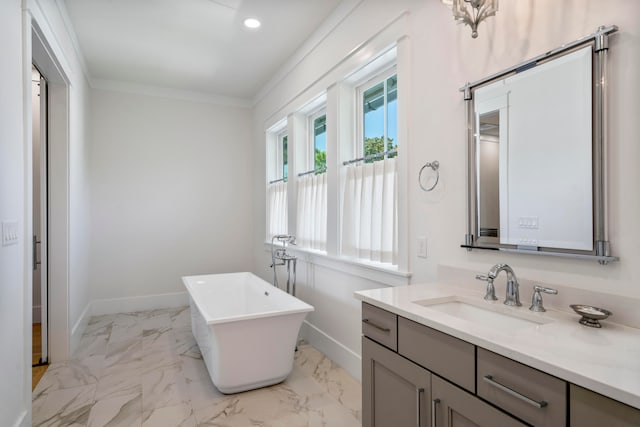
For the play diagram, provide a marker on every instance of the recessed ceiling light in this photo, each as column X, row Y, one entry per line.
column 252, row 23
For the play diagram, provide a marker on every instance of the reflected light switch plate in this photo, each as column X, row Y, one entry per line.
column 9, row 233
column 530, row 222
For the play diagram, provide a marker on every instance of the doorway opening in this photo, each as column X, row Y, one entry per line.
column 40, row 335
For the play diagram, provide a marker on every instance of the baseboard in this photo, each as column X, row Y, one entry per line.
column 140, row 303
column 78, row 329
column 336, row 351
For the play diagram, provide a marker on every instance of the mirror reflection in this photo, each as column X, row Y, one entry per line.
column 488, row 176
column 534, row 156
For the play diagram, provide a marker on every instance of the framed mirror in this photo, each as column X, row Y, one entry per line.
column 535, row 154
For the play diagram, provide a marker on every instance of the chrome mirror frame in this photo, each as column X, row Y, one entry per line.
column 601, row 252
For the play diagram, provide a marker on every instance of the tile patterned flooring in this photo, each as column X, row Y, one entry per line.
column 145, row 369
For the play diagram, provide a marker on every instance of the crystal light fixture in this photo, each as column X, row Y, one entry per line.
column 472, row 12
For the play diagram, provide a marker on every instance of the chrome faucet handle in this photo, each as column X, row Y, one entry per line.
column 536, row 300
column 490, row 293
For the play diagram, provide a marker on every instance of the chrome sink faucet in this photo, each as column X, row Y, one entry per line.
column 513, row 289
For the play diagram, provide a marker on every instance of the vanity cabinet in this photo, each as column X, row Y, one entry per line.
column 533, row 396
column 589, row 409
column 413, row 375
column 454, row 407
column 442, row 354
column 398, row 387
column 396, row 391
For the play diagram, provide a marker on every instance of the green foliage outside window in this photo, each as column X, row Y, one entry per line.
column 376, row 145
column 320, row 161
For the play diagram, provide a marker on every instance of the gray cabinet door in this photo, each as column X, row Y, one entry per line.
column 455, row 407
column 395, row 391
column 589, row 409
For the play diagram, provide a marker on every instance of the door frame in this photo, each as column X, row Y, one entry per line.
column 41, row 49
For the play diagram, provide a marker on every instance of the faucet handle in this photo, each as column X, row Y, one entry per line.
column 490, row 293
column 536, row 300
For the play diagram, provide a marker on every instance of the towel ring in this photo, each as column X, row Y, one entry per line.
column 435, row 165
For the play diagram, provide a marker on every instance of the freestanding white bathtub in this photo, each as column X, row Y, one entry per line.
column 245, row 327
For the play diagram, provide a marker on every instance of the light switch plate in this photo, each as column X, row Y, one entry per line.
column 9, row 233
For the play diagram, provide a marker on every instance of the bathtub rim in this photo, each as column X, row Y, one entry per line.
column 301, row 306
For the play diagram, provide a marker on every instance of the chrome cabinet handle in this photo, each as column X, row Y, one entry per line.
column 382, row 328
column 489, row 379
column 419, row 392
column 434, row 404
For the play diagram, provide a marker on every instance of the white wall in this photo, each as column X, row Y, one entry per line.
column 443, row 58
column 14, row 301
column 171, row 192
column 15, row 193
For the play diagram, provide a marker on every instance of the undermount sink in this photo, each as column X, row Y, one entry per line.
column 493, row 315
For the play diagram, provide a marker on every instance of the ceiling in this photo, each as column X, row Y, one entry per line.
column 193, row 45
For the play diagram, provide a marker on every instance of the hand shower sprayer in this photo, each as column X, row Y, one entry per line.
column 279, row 253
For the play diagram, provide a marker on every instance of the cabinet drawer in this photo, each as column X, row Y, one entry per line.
column 443, row 354
column 589, row 409
column 453, row 407
column 380, row 325
column 531, row 395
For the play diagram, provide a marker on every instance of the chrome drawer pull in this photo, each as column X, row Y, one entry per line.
column 418, row 402
column 382, row 328
column 434, row 403
column 496, row 384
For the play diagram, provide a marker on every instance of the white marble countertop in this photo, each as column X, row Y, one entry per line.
column 605, row 360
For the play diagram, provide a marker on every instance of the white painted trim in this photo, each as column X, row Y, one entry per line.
column 42, row 47
column 368, row 270
column 78, row 329
column 340, row 13
column 139, row 303
column 362, row 54
column 403, row 69
column 68, row 26
column 346, row 358
column 161, row 92
column 23, row 420
column 32, row 7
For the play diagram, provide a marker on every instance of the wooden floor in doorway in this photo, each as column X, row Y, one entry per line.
column 37, row 371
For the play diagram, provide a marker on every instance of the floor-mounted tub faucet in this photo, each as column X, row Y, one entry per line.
column 513, row 289
column 279, row 256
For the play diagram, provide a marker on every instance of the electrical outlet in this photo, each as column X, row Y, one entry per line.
column 9, row 233
column 422, row 247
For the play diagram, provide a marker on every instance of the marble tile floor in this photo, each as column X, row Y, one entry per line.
column 145, row 369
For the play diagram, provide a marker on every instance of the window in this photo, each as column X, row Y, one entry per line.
column 312, row 188
column 380, row 119
column 370, row 204
column 278, row 170
column 319, row 126
column 285, row 157
column 283, row 154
